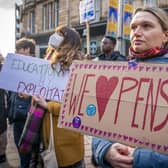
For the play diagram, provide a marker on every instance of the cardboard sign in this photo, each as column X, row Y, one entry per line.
column 32, row 76
column 118, row 102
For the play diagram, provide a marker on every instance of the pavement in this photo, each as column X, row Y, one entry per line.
column 13, row 158
column 11, row 151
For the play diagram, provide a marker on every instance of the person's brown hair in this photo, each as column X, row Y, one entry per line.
column 26, row 43
column 160, row 14
column 69, row 49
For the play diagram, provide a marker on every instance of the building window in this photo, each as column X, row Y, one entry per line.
column 50, row 15
column 56, row 12
column 17, row 21
column 94, row 48
column 32, row 22
column 42, row 51
column 166, row 9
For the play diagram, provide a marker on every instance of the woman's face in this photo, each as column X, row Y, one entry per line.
column 146, row 32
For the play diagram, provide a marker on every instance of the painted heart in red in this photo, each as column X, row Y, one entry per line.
column 104, row 89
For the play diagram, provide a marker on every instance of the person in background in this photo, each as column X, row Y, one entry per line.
column 149, row 43
column 108, row 44
column 64, row 47
column 3, row 120
column 19, row 105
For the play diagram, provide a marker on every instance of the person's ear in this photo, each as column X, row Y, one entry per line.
column 112, row 47
column 165, row 38
column 27, row 51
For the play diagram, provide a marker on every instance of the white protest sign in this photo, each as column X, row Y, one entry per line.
column 32, row 76
column 87, row 10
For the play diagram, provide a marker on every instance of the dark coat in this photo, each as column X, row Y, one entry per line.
column 115, row 56
column 18, row 107
column 3, row 111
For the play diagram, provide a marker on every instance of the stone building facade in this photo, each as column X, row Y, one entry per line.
column 39, row 18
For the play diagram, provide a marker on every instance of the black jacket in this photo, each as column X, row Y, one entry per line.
column 115, row 56
column 18, row 107
column 3, row 110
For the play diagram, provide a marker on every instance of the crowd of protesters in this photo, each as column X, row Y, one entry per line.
column 149, row 43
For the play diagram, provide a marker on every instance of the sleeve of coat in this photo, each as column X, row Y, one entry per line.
column 99, row 148
column 147, row 158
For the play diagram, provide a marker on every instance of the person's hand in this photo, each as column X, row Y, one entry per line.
column 120, row 156
column 22, row 95
column 41, row 101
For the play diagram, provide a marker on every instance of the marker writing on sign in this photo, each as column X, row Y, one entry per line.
column 155, row 91
column 52, row 93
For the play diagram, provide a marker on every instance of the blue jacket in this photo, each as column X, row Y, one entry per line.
column 143, row 158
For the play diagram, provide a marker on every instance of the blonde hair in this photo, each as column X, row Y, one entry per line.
column 160, row 14
column 69, row 49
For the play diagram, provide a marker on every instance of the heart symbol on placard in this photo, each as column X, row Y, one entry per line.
column 104, row 88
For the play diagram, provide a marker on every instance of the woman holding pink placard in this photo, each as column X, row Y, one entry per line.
column 149, row 43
